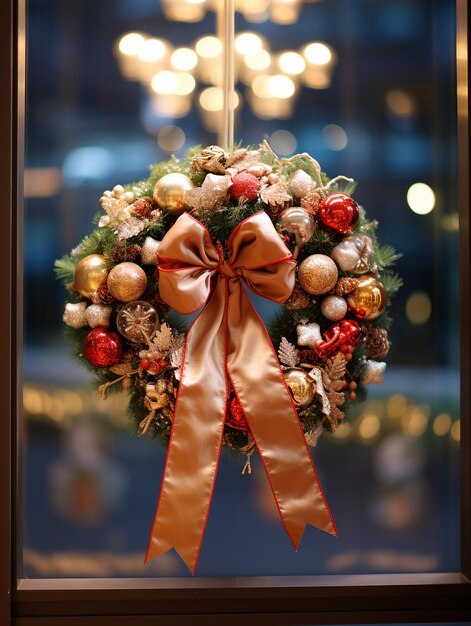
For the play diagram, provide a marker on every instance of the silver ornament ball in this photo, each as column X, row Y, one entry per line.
column 296, row 221
column 334, row 308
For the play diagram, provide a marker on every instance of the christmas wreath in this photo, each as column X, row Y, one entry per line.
column 186, row 239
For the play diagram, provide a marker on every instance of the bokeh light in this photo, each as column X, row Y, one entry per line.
column 335, row 137
column 208, row 47
column 369, row 426
column 283, row 142
column 171, row 138
column 455, row 432
column 421, row 198
column 317, row 53
column 291, row 63
column 152, row 50
column 442, row 424
column 248, row 43
column 258, row 61
column 396, row 405
column 400, row 102
column 165, row 82
column 184, row 59
column 131, row 43
column 418, row 308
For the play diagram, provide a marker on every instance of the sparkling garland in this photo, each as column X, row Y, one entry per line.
column 332, row 335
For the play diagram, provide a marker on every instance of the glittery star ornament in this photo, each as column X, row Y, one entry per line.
column 212, row 193
column 309, row 334
column 118, row 206
column 98, row 315
column 74, row 314
column 374, row 372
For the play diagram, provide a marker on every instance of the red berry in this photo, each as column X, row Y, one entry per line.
column 348, row 356
column 344, row 348
column 353, row 385
column 145, row 364
column 245, row 185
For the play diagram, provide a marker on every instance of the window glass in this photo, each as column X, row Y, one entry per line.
column 368, row 89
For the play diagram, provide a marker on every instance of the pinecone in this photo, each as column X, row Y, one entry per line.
column 311, row 202
column 104, row 294
column 377, row 343
column 212, row 159
column 158, row 303
column 346, row 285
column 143, row 207
column 298, row 299
column 308, row 356
column 125, row 253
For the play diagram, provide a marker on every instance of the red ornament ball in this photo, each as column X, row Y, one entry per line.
column 338, row 212
column 236, row 418
column 102, row 347
column 245, row 185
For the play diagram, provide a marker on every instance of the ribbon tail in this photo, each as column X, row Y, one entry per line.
column 196, row 438
column 270, row 412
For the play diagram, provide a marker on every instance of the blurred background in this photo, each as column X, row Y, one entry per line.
column 368, row 88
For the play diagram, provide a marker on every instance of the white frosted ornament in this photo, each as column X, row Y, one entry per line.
column 74, row 314
column 149, row 251
column 334, row 308
column 98, row 315
column 374, row 372
column 301, row 184
column 309, row 334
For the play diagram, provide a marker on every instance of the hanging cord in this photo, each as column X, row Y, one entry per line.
column 226, row 33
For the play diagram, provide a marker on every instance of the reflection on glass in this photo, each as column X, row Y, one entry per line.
column 369, row 96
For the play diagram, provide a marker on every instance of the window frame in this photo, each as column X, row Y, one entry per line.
column 387, row 598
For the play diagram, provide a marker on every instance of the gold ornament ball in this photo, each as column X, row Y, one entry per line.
column 301, row 386
column 127, row 282
column 170, row 190
column 318, row 274
column 90, row 272
column 369, row 299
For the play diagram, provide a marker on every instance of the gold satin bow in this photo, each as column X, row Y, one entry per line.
column 228, row 339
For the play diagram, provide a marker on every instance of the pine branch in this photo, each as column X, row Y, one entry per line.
column 392, row 282
column 64, row 269
column 386, row 256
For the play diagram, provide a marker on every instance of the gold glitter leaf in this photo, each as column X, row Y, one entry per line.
column 162, row 341
column 275, row 195
column 287, row 353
